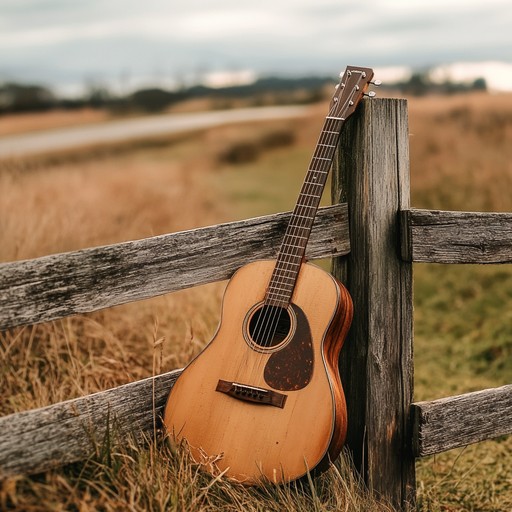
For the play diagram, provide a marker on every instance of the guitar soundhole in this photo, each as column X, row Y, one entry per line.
column 269, row 326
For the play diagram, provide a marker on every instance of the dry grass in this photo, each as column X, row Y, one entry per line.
column 460, row 160
column 48, row 208
column 153, row 476
column 94, row 202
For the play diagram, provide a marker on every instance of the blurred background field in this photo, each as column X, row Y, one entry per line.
column 461, row 159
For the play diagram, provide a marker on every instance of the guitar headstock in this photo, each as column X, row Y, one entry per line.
column 349, row 92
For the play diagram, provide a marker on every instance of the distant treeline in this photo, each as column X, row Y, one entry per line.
column 16, row 97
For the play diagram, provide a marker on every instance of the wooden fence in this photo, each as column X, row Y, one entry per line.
column 387, row 432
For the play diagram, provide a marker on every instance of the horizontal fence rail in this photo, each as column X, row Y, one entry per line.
column 460, row 420
column 40, row 439
column 63, row 284
column 433, row 236
column 56, row 286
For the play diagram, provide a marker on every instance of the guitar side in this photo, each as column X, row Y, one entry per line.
column 258, row 430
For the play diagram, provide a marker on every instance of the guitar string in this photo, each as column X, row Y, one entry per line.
column 266, row 326
column 285, row 275
column 286, row 266
column 329, row 134
column 286, row 271
column 291, row 238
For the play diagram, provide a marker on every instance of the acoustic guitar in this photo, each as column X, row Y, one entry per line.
column 264, row 399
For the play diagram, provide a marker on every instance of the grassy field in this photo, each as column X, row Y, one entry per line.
column 460, row 159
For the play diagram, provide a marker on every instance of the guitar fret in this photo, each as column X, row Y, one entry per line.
column 287, row 278
column 289, row 266
column 293, row 245
column 289, row 288
column 290, row 237
column 279, row 277
column 306, row 206
column 307, row 228
column 283, row 266
column 276, row 284
column 291, row 258
column 302, row 217
column 281, row 299
column 276, row 295
column 322, row 158
column 297, row 226
column 288, row 263
column 310, row 195
column 277, row 302
column 303, row 225
column 318, row 170
column 311, row 183
column 326, row 145
column 297, row 236
column 293, row 272
column 328, row 131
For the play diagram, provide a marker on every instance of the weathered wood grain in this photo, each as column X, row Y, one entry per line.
column 376, row 363
column 460, row 420
column 55, row 286
column 66, row 432
column 433, row 236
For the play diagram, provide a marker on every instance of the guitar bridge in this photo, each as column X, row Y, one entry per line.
column 251, row 393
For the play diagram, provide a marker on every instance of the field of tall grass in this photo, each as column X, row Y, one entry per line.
column 461, row 159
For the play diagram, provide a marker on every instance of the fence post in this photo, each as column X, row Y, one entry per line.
column 372, row 175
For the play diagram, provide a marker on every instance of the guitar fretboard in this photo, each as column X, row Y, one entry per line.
column 293, row 247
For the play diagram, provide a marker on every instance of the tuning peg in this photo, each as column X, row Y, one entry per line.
column 376, row 83
column 370, row 94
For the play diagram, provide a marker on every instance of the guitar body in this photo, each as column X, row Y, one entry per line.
column 257, row 411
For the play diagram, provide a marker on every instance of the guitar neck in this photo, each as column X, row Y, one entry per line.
column 293, row 246
column 348, row 93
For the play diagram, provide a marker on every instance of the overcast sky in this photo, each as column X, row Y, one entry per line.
column 125, row 41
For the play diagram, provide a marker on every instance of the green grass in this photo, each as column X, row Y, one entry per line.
column 463, row 343
column 267, row 185
column 463, row 328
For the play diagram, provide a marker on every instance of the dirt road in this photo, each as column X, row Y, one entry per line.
column 139, row 128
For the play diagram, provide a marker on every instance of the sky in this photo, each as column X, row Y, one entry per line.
column 70, row 44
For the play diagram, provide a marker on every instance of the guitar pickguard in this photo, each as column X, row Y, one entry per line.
column 291, row 368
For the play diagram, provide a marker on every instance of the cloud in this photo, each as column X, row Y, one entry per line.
column 56, row 38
